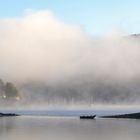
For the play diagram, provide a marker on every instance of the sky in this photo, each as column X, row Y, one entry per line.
column 97, row 17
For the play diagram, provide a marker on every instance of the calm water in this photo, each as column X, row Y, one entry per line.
column 67, row 128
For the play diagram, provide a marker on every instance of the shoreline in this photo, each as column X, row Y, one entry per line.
column 124, row 116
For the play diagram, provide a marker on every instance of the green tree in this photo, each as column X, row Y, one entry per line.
column 10, row 90
column 1, row 89
column 1, row 84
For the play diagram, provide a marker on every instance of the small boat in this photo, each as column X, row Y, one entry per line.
column 88, row 117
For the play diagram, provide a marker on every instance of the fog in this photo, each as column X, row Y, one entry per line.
column 53, row 62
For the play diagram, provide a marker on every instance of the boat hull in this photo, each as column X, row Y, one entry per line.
column 88, row 117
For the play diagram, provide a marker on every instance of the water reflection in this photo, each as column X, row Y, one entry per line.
column 7, row 124
column 35, row 128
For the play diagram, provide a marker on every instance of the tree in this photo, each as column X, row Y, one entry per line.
column 1, row 89
column 1, row 84
column 10, row 90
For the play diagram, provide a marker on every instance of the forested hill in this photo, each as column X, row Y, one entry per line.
column 8, row 91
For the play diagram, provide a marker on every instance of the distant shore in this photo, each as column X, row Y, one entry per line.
column 44, row 113
column 8, row 114
column 124, row 116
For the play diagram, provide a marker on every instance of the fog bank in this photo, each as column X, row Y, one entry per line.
column 52, row 61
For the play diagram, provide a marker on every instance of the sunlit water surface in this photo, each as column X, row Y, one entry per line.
column 67, row 128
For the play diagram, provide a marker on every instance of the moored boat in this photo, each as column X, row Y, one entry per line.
column 88, row 117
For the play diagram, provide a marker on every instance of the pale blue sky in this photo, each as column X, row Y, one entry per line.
column 97, row 16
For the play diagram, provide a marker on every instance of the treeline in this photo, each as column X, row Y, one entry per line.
column 8, row 91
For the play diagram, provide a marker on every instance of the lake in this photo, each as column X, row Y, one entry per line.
column 67, row 128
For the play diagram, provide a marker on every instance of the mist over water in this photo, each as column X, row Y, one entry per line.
column 55, row 63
